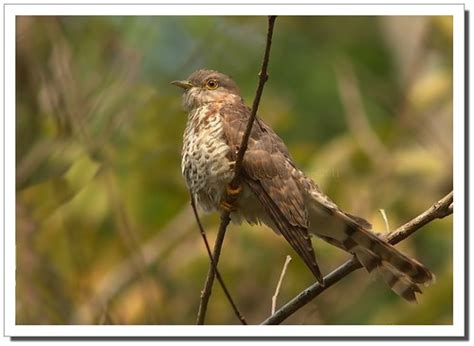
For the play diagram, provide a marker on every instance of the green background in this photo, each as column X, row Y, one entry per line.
column 104, row 231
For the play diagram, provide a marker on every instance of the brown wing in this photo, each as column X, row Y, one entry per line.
column 267, row 170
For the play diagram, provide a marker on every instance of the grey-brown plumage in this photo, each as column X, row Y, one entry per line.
column 274, row 191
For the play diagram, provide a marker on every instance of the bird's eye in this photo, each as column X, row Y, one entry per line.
column 212, row 84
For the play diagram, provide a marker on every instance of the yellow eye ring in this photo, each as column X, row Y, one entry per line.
column 212, row 84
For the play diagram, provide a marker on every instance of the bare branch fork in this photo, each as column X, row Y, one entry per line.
column 214, row 265
column 225, row 216
column 439, row 210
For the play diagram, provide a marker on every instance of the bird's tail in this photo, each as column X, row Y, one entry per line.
column 401, row 273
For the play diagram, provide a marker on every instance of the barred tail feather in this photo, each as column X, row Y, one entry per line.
column 401, row 273
column 399, row 282
column 388, row 253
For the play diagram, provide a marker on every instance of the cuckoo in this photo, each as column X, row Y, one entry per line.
column 273, row 190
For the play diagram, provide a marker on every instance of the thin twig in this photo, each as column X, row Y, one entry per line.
column 263, row 77
column 218, row 275
column 225, row 216
column 282, row 275
column 385, row 219
column 438, row 210
column 206, row 292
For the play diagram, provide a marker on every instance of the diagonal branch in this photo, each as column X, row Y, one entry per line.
column 263, row 77
column 218, row 275
column 225, row 216
column 439, row 210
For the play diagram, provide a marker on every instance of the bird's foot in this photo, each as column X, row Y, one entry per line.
column 230, row 203
column 228, row 207
column 233, row 192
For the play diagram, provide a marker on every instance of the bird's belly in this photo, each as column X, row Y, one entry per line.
column 206, row 167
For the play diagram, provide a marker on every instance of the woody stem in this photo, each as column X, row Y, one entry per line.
column 235, row 183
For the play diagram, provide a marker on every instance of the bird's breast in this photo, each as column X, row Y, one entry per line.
column 205, row 164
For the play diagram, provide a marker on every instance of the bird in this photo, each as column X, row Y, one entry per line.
column 273, row 191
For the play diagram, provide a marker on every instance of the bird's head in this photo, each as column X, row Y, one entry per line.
column 204, row 86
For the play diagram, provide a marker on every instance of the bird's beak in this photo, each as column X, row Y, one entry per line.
column 182, row 84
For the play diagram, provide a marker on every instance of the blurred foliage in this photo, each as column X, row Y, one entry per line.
column 104, row 230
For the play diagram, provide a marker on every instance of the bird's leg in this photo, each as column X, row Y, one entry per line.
column 228, row 207
column 229, row 204
column 234, row 192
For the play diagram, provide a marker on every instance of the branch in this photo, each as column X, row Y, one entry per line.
column 439, row 210
column 385, row 220
column 225, row 216
column 214, row 265
column 263, row 77
column 277, row 290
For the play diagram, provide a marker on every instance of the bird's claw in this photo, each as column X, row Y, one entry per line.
column 234, row 192
column 228, row 207
column 229, row 204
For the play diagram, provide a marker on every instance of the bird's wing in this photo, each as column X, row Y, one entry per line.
column 267, row 170
column 328, row 205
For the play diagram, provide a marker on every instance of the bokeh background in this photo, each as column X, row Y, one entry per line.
column 105, row 234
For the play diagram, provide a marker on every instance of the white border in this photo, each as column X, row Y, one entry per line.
column 457, row 329
column 233, row 9
column 459, row 168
